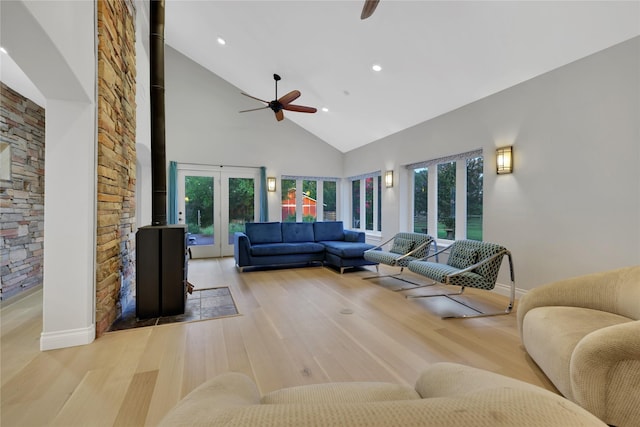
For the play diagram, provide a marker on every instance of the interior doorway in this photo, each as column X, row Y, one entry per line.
column 215, row 203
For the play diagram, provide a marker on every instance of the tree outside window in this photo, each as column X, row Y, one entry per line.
column 453, row 188
column 355, row 203
column 420, row 205
column 447, row 200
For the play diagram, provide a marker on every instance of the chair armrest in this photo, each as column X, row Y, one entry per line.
column 381, row 245
column 446, row 379
column 437, row 252
column 614, row 291
column 604, row 364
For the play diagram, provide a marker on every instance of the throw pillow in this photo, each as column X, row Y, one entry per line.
column 401, row 246
column 462, row 258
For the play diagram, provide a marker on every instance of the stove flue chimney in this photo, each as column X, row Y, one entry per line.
column 158, row 151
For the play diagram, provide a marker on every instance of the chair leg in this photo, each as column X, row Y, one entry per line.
column 468, row 316
column 397, row 277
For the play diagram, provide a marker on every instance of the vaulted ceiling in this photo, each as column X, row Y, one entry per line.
column 435, row 56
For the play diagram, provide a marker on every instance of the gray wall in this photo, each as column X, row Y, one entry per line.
column 572, row 205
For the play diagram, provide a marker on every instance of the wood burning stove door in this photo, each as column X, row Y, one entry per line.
column 215, row 204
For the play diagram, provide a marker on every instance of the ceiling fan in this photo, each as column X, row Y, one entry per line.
column 283, row 103
column 368, row 8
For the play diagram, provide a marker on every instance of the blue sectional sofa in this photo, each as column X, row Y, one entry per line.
column 275, row 243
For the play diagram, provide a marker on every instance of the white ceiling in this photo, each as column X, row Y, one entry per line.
column 436, row 56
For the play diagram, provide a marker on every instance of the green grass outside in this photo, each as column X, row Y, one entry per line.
column 474, row 228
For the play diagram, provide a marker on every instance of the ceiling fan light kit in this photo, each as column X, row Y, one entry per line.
column 282, row 103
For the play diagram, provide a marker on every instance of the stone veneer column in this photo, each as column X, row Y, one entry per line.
column 115, row 239
column 22, row 197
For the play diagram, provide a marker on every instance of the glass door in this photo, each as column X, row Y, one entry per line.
column 215, row 205
column 240, row 195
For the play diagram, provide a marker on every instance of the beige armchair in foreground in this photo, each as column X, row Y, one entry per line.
column 445, row 395
column 584, row 333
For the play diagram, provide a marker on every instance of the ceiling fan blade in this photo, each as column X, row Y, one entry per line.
column 253, row 97
column 279, row 115
column 300, row 108
column 369, row 8
column 291, row 96
column 253, row 109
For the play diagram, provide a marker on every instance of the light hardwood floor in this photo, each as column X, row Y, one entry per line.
column 296, row 326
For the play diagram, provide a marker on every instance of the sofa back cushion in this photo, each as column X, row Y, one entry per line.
column 328, row 230
column 263, row 232
column 293, row 232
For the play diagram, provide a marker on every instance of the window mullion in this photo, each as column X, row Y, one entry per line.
column 363, row 204
column 461, row 200
column 432, row 202
column 319, row 201
column 299, row 200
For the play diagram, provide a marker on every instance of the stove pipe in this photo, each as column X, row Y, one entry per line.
column 158, row 152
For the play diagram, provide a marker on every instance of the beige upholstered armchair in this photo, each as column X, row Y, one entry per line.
column 584, row 333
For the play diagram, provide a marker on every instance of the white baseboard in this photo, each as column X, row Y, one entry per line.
column 68, row 338
column 505, row 290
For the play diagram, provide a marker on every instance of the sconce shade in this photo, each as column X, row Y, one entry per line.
column 388, row 178
column 504, row 160
column 271, row 184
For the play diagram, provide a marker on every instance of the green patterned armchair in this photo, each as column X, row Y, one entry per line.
column 471, row 264
column 399, row 251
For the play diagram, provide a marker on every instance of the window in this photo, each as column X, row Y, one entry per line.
column 329, row 201
column 420, row 194
column 366, row 202
column 447, row 196
column 288, row 187
column 306, row 199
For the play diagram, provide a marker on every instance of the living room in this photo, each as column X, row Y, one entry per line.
column 571, row 206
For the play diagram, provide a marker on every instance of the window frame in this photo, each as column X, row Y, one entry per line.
column 320, row 180
column 432, row 193
column 376, row 203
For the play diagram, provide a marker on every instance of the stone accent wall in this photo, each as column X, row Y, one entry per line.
column 115, row 240
column 21, row 197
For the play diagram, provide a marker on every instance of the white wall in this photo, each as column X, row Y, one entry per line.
column 203, row 126
column 572, row 206
column 54, row 44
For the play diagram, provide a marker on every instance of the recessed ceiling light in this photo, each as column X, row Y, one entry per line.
column 376, row 67
column 221, row 41
column 325, row 110
column 3, row 50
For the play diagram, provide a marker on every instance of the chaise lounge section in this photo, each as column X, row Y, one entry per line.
column 267, row 244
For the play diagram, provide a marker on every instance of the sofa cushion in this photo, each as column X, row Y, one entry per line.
column 341, row 392
column 297, row 232
column 401, row 246
column 328, row 230
column 263, row 232
column 274, row 249
column 347, row 249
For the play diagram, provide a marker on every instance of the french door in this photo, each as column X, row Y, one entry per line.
column 215, row 204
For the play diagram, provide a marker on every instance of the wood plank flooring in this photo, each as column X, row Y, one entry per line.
column 296, row 326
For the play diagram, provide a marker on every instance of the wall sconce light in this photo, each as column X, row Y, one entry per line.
column 388, row 178
column 504, row 160
column 271, row 184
